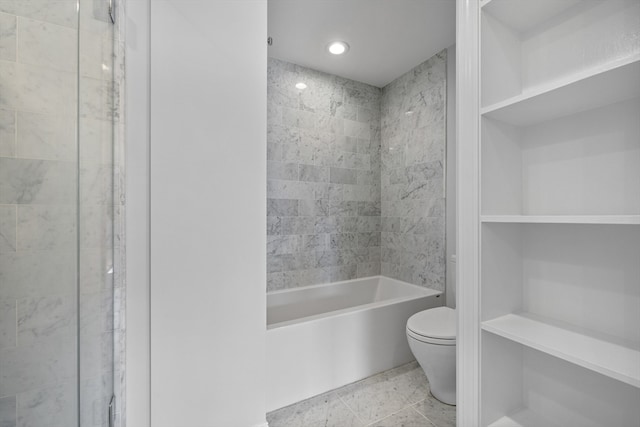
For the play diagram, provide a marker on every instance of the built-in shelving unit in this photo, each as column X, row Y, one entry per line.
column 560, row 213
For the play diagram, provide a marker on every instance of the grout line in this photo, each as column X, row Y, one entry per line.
column 423, row 416
column 16, row 342
column 349, row 408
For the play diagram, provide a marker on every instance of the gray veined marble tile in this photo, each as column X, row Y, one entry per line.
column 406, row 418
column 320, row 207
column 31, row 274
column 50, row 406
column 314, row 242
column 47, row 45
column 366, row 240
column 96, row 269
column 298, row 225
column 274, row 225
column 440, row 414
column 61, row 12
column 410, row 382
column 369, row 224
column 298, row 118
column 8, row 411
column 41, row 364
column 312, row 173
column 7, row 37
column 369, row 208
column 96, row 51
column 96, row 226
column 45, row 318
column 27, row 87
column 284, row 207
column 96, row 99
column 42, row 227
column 372, row 399
column 46, row 136
column 343, row 176
column 8, row 228
column 326, row 410
column 7, row 133
column 368, row 269
column 26, row 181
column 96, row 354
column 280, row 170
column 7, row 323
column 344, row 240
column 96, row 184
column 343, row 208
column 96, row 140
column 357, row 129
column 94, row 397
column 285, row 244
column 342, row 272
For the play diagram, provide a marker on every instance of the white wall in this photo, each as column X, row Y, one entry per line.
column 207, row 209
column 136, row 411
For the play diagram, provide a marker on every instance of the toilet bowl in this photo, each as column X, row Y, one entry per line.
column 432, row 339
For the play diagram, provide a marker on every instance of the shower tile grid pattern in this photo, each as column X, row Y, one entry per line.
column 398, row 397
column 38, row 224
column 323, row 178
column 355, row 177
column 412, row 178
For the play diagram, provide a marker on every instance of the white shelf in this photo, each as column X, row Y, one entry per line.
column 611, row 83
column 524, row 15
column 564, row 219
column 522, row 418
column 612, row 360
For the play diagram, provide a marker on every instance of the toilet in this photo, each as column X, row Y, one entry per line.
column 432, row 339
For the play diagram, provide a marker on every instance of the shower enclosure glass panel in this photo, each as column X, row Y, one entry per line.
column 56, row 139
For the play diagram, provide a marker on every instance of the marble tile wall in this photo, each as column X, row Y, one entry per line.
column 323, row 178
column 412, row 176
column 39, row 185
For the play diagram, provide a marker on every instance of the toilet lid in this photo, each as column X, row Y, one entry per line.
column 437, row 322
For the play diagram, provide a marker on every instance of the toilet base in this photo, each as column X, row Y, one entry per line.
column 439, row 365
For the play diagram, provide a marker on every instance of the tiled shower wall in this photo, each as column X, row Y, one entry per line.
column 413, row 188
column 323, row 171
column 355, row 177
column 39, row 231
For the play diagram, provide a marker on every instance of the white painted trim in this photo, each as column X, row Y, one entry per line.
column 137, row 372
column 468, row 214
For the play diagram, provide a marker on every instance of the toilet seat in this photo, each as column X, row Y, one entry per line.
column 434, row 326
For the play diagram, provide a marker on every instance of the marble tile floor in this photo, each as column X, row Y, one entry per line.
column 399, row 397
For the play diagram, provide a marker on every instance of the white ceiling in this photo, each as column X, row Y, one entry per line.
column 387, row 37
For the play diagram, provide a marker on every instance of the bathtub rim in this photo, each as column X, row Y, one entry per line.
column 422, row 293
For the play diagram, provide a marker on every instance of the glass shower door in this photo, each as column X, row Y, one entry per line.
column 56, row 290
column 95, row 184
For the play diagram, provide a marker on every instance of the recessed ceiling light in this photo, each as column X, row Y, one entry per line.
column 338, row 48
column 301, row 85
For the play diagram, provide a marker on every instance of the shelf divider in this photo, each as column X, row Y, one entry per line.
column 564, row 219
column 607, row 358
column 523, row 418
column 613, row 82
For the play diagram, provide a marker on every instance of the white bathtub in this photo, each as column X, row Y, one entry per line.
column 325, row 336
